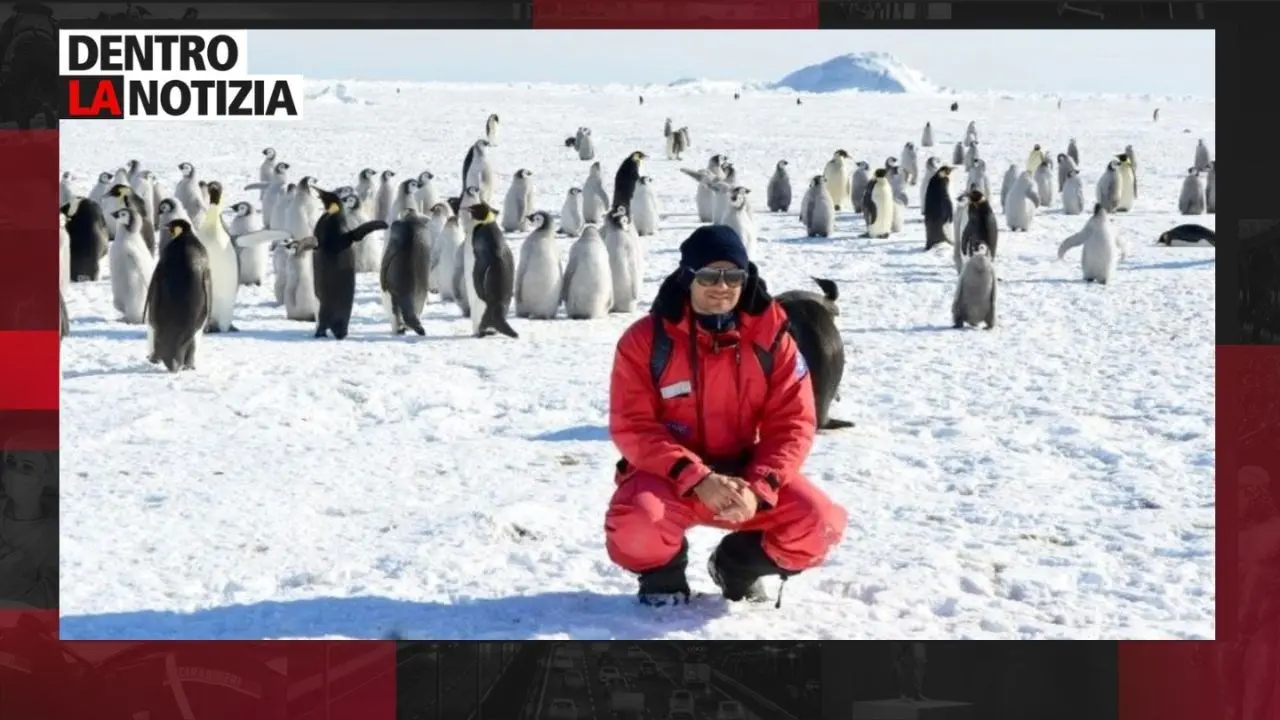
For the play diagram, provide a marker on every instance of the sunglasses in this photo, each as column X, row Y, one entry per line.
column 710, row 277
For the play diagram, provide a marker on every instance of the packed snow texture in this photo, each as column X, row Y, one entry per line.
column 1052, row 478
column 866, row 71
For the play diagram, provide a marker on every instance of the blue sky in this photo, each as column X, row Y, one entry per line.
column 1119, row 61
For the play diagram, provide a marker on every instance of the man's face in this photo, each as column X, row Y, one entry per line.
column 24, row 475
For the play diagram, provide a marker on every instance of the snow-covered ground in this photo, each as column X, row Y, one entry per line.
column 1049, row 479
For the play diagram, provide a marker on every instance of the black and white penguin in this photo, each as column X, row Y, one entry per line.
column 938, row 209
column 625, row 181
column 490, row 274
column 334, row 264
column 179, row 299
column 87, row 229
column 406, row 265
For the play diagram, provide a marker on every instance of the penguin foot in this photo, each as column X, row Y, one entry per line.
column 153, row 359
column 211, row 329
column 233, row 328
column 320, row 333
column 398, row 331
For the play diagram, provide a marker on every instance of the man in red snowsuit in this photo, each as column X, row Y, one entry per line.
column 712, row 408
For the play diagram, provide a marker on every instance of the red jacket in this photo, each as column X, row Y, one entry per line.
column 726, row 412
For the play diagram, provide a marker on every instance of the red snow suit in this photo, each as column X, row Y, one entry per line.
column 748, row 411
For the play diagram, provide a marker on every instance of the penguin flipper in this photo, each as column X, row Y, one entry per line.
column 257, row 186
column 260, row 237
column 1075, row 240
column 567, row 279
column 360, row 232
column 829, row 288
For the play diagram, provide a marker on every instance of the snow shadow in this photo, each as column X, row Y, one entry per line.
column 578, row 433
column 580, row 615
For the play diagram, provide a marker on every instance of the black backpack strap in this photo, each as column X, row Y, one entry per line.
column 659, row 351
column 766, row 356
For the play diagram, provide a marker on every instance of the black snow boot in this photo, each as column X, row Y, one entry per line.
column 738, row 564
column 667, row 585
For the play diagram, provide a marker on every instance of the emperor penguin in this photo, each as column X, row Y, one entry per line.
column 446, row 253
column 490, row 274
column 595, row 201
column 385, row 196
column 740, row 219
column 188, row 191
column 253, row 258
column 971, row 154
column 705, row 198
column 65, row 191
column 981, row 227
column 491, row 130
column 585, row 145
column 669, row 137
column 146, row 198
column 1065, row 166
column 425, row 197
column 1133, row 161
column 910, row 165
column 122, row 196
column 300, row 301
column 957, row 155
column 644, row 208
column 89, row 239
column 518, row 204
column 1100, row 251
column 1127, row 181
column 1073, row 194
column 975, row 300
column 179, row 299
column 267, row 169
column 437, row 215
column 367, row 188
column 1202, row 156
column 588, row 278
column 1073, row 152
column 64, row 254
column 405, row 199
column 720, row 193
column 926, row 137
column 478, row 171
column 1044, row 184
column 274, row 193
column 778, row 194
column 470, row 197
column 298, row 217
column 100, row 189
column 877, row 212
column 1108, row 189
column 130, row 264
column 899, row 201
column 1211, row 189
column 625, row 181
column 367, row 253
column 1010, row 176
column 977, row 175
column 224, row 271
column 1191, row 201
column 971, row 133
column 571, row 221
column 861, row 179
column 1020, row 211
column 1034, row 159
column 334, row 264
column 167, row 211
column 838, row 175
column 539, row 283
column 817, row 209
column 957, row 233
column 938, row 209
column 931, row 166
column 626, row 261
column 406, row 265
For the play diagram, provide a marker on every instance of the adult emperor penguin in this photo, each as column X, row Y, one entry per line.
column 87, row 229
column 910, row 165
column 130, row 263
column 1211, row 189
column 1108, row 189
column 406, row 264
column 167, row 211
column 539, row 282
column 334, row 264
column 1099, row 249
column 837, row 172
column 1073, row 194
column 595, row 200
column 938, row 209
column 1020, row 210
column 477, row 171
column 926, row 137
column 571, row 212
column 877, row 210
column 981, row 227
column 253, row 258
column 861, row 179
column 778, row 194
column 1044, row 184
column 519, row 202
column 188, row 191
column 626, row 261
column 491, row 130
column 625, row 181
column 818, row 212
column 975, row 301
column 1191, row 199
column 1202, row 156
column 644, row 211
column 1127, row 181
column 1189, row 235
column 224, row 271
column 404, row 200
column 1034, row 158
column 426, row 196
column 1073, row 152
column 490, row 274
column 931, row 166
column 588, row 279
column 179, row 299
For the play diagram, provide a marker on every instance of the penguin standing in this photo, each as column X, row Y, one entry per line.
column 910, row 165
column 64, row 254
column 938, row 209
column 224, row 271
column 571, row 221
column 625, row 181
column 100, row 189
column 1073, row 194
column 644, row 211
column 491, row 130
column 681, row 143
column 778, row 194
column 1034, row 159
column 1065, row 166
column 859, row 183
column 739, row 218
column 144, row 203
column 367, row 254
column 385, row 196
column 958, row 224
column 625, row 261
column 131, row 265
column 1127, row 181
column 1191, row 201
column 899, row 201
column 588, row 279
column 1202, row 156
column 1108, row 189
column 669, row 139
column 268, row 167
column 585, row 145
column 1099, row 249
column 817, row 210
column 406, row 264
column 300, row 301
column 519, row 202
column 122, row 196
column 366, row 188
column 1073, row 152
column 838, row 175
column 957, row 155
column 252, row 259
column 425, row 197
column 334, row 264
column 595, row 201
column 446, row 253
column 179, row 299
column 926, row 137
column 167, row 211
column 877, row 206
column 705, row 197
column 1044, row 184
column 1133, row 162
column 477, row 171
column 981, row 228
column 274, row 193
column 977, row 176
column 971, row 133
column 405, row 199
column 931, row 166
column 1211, row 189
column 65, row 191
column 87, row 229
column 975, row 300
column 490, row 274
column 720, row 191
column 1020, row 211
column 188, row 191
column 1010, row 177
column 539, row 282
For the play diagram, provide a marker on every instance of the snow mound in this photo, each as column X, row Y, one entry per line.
column 865, row 71
column 336, row 94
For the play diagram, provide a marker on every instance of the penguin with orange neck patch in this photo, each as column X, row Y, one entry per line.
column 490, row 272
column 334, row 263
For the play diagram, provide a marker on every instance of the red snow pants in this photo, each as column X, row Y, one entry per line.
column 646, row 523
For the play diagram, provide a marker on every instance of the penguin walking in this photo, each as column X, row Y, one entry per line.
column 626, row 180
column 739, row 218
column 406, row 265
column 1191, row 201
column 877, row 206
column 571, row 222
column 1211, row 189
column 539, row 281
column 444, row 257
column 426, row 197
column 87, row 229
column 131, row 265
column 518, row 204
column 926, row 137
column 490, row 274
column 1020, row 211
column 910, row 165
column 975, row 300
column 817, row 210
column 1108, row 188
column 334, row 264
column 179, row 299
column 859, row 182
column 938, row 209
column 981, row 228
column 778, row 194
column 680, row 143
column 491, row 127
column 588, row 278
column 252, row 259
column 643, row 210
column 1100, row 250
column 1202, row 156
column 595, row 201
column 625, row 261
column 1073, row 194
column 837, row 172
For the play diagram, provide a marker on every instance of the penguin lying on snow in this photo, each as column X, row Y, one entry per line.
column 334, row 264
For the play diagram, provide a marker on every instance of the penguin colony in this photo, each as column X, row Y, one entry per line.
column 175, row 256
